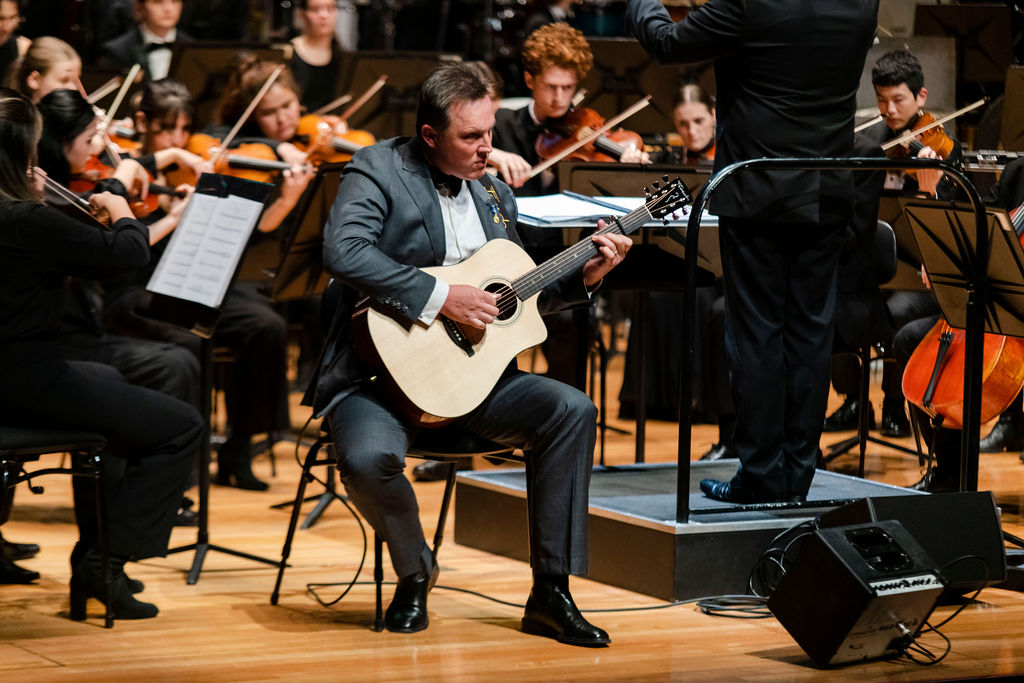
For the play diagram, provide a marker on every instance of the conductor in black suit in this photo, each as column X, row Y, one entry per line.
column 149, row 42
column 787, row 76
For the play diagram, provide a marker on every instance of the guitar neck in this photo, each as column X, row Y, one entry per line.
column 575, row 256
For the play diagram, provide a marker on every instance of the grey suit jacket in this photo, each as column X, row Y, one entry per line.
column 384, row 226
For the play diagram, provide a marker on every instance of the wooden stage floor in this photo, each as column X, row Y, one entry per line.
column 224, row 629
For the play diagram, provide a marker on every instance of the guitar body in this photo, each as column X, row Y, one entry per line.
column 438, row 376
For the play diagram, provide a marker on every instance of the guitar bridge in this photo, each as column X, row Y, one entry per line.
column 458, row 337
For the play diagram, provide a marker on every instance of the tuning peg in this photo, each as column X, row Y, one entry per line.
column 665, row 220
column 664, row 178
column 647, row 192
column 656, row 186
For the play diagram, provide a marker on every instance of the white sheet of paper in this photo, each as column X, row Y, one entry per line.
column 205, row 249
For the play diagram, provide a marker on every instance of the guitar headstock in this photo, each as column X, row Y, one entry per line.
column 663, row 200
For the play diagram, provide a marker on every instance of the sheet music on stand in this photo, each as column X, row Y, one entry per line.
column 945, row 237
column 202, row 256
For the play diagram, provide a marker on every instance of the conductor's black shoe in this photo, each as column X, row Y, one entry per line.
column 11, row 573
column 933, row 483
column 19, row 551
column 894, row 420
column 551, row 612
column 845, row 417
column 718, row 451
column 1007, row 435
column 727, row 493
column 407, row 612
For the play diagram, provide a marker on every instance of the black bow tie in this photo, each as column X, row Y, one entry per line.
column 158, row 46
column 447, row 185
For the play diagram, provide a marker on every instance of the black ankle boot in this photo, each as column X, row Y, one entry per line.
column 87, row 582
column 234, row 466
column 407, row 612
column 551, row 612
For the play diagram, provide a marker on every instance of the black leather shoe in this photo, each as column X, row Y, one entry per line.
column 430, row 470
column 11, row 573
column 1007, row 435
column 845, row 417
column 718, row 451
column 727, row 493
column 407, row 612
column 551, row 612
column 935, row 484
column 894, row 420
column 19, row 551
column 234, row 467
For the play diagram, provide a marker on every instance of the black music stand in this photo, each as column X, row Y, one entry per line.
column 301, row 275
column 624, row 72
column 945, row 236
column 983, row 37
column 174, row 301
column 392, row 109
column 204, row 68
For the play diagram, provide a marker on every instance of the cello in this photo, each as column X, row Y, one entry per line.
column 934, row 377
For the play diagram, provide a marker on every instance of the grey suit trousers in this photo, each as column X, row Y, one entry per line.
column 553, row 423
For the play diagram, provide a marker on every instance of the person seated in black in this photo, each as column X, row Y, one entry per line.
column 900, row 93
column 317, row 58
column 149, row 42
column 156, row 434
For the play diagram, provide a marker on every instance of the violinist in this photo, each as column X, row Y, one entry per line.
column 556, row 57
column 900, row 92
column 901, row 95
column 317, row 58
column 275, row 123
column 49, row 64
column 256, row 387
column 157, row 435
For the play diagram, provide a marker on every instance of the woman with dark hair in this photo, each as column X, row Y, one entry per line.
column 317, row 56
column 155, row 434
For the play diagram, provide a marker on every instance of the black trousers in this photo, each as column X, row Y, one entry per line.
column 780, row 297
column 154, row 434
column 256, row 389
column 161, row 366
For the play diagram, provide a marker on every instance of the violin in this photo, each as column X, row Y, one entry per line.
column 932, row 135
column 561, row 134
column 251, row 161
column 325, row 145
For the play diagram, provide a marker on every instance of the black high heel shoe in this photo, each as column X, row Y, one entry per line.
column 87, row 582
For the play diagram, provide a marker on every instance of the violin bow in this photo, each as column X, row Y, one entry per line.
column 332, row 105
column 608, row 125
column 869, row 123
column 364, row 98
column 104, row 90
column 246, row 114
column 911, row 134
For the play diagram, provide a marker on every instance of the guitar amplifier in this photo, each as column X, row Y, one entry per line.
column 857, row 592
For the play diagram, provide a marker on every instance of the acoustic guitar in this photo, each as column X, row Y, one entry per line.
column 438, row 372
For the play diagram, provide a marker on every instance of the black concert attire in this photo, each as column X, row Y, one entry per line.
column 155, row 434
column 786, row 87
column 132, row 47
column 319, row 84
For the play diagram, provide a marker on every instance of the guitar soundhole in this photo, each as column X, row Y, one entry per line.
column 508, row 304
